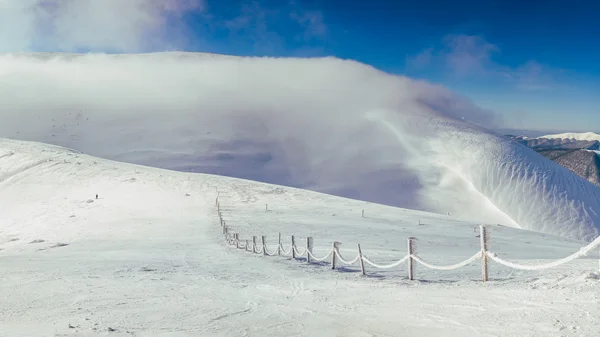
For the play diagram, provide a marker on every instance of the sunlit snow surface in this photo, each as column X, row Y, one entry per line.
column 147, row 258
column 574, row 135
column 328, row 125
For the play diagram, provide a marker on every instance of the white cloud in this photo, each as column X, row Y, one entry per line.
column 471, row 56
column 330, row 125
column 275, row 28
column 131, row 26
column 96, row 25
column 273, row 118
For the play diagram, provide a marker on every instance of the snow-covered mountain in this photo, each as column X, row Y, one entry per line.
column 579, row 156
column 590, row 136
column 147, row 258
column 324, row 124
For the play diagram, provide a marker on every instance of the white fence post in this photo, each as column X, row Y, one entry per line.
column 293, row 247
column 483, row 238
column 362, row 262
column 309, row 248
column 336, row 246
column 363, row 214
column 411, row 251
column 279, row 246
column 266, row 207
column 254, row 250
column 264, row 244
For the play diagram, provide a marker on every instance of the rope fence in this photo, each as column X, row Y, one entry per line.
column 410, row 259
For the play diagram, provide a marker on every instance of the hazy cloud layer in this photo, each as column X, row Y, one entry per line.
column 105, row 25
column 472, row 57
column 325, row 124
column 152, row 25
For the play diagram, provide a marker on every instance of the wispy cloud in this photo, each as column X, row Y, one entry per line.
column 313, row 24
column 153, row 25
column 107, row 25
column 336, row 126
column 472, row 56
column 275, row 27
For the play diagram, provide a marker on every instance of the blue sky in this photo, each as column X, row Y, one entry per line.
column 537, row 63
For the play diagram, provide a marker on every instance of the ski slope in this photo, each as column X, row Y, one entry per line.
column 574, row 135
column 324, row 124
column 147, row 258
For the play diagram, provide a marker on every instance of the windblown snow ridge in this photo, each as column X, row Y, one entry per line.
column 324, row 124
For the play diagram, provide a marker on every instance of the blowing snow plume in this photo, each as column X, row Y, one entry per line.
column 325, row 124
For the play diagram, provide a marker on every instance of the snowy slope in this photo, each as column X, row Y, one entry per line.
column 147, row 259
column 574, row 135
column 329, row 125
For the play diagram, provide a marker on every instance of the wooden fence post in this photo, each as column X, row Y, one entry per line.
column 254, row 250
column 247, row 245
column 411, row 251
column 309, row 248
column 237, row 240
column 279, row 246
column 483, row 239
column 264, row 244
column 362, row 262
column 293, row 247
column 336, row 246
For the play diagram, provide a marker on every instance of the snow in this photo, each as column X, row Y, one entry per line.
column 574, row 135
column 324, row 124
column 147, row 258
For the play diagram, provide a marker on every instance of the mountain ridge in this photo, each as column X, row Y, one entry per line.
column 330, row 125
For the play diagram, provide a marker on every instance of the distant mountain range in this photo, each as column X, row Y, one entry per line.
column 578, row 152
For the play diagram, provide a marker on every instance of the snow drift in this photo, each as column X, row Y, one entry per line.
column 324, row 124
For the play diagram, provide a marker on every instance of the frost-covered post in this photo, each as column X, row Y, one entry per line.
column 237, row 240
column 247, row 245
column 411, row 250
column 363, row 214
column 266, row 207
column 309, row 248
column 264, row 244
column 279, row 246
column 362, row 262
column 336, row 246
column 293, row 247
column 483, row 239
column 254, row 250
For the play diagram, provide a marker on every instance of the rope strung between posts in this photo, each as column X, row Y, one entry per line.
column 249, row 245
column 385, row 266
column 581, row 253
column 283, row 252
column 298, row 253
column 268, row 252
column 356, row 259
column 450, row 267
column 320, row 258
